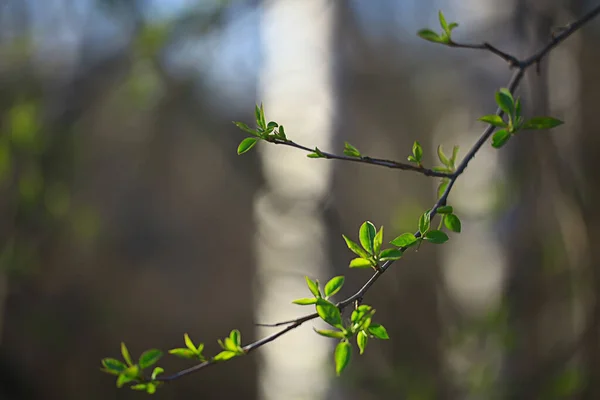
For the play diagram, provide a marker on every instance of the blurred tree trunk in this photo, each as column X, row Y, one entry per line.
column 297, row 91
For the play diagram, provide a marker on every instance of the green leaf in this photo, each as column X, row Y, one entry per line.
column 272, row 124
column 351, row 151
column 378, row 241
column 281, row 134
column 125, row 354
column 157, row 371
column 113, row 366
column 437, row 237
column 245, row 145
column 378, row 331
column 443, row 22
column 246, row 128
column 454, row 154
column 542, row 123
column 360, row 263
column 140, row 386
column 500, row 138
column 361, row 341
column 360, row 312
column 404, row 240
column 188, row 342
column 518, row 108
column 149, row 358
column 417, row 151
column 330, row 334
column 367, row 234
column 452, row 26
column 130, row 374
column 313, row 286
column 329, row 313
column 183, row 353
column 430, row 35
column 494, row 119
column 316, row 154
column 424, row 222
column 444, row 160
column 505, row 101
column 225, row 355
column 355, row 248
column 305, row 301
column 259, row 112
column 390, row 254
column 452, row 222
column 412, row 159
column 442, row 187
column 445, row 210
column 236, row 337
column 333, row 286
column 343, row 352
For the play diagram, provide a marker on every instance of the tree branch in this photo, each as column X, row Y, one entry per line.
column 521, row 66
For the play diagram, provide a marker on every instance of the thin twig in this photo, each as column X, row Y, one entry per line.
column 367, row 160
column 514, row 82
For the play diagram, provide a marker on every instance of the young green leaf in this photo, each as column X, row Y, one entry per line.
column 313, row 286
column 149, row 358
column 494, row 119
column 443, row 159
column 445, row 210
column 329, row 313
column 236, row 337
column 404, row 240
column 452, row 222
column 430, row 35
column 443, row 22
column 351, row 151
column 367, row 234
column 343, row 353
column 454, row 154
column 442, row 187
column 505, row 101
column 246, row 128
column 542, row 123
column 281, row 133
column 330, row 333
column 245, row 145
column 272, row 124
column 188, row 342
column 500, row 138
column 424, row 222
column 378, row 241
column 355, row 248
column 125, row 354
column 361, row 263
column 437, row 237
column 113, row 366
column 225, row 355
column 333, row 286
column 378, row 331
column 390, row 254
column 361, row 341
column 130, row 374
column 452, row 25
column 183, row 353
column 306, row 301
column 417, row 151
column 316, row 154
column 157, row 371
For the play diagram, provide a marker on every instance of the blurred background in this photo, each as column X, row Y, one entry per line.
column 126, row 215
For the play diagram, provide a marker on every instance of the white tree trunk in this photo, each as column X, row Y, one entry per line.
column 296, row 89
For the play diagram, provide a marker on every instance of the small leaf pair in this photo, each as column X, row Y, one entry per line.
column 232, row 346
column 370, row 254
column 191, row 351
column 263, row 131
column 515, row 123
column 445, row 37
column 332, row 287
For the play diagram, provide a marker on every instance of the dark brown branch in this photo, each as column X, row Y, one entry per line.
column 514, row 82
column 368, row 160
